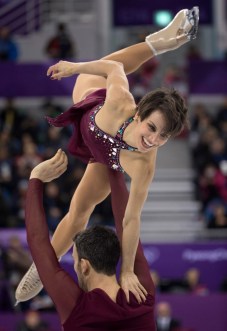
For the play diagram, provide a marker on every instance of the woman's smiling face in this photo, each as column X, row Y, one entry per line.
column 150, row 132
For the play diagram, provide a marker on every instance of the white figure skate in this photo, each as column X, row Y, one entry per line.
column 181, row 29
column 29, row 286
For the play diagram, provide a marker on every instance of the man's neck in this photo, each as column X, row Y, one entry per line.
column 108, row 284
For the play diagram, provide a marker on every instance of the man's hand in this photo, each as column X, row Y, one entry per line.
column 130, row 282
column 50, row 169
column 62, row 69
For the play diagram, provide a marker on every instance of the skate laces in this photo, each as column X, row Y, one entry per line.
column 29, row 286
column 32, row 280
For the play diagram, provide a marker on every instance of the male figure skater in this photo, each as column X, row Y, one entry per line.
column 97, row 302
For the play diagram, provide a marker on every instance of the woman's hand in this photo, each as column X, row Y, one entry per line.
column 50, row 169
column 130, row 282
column 62, row 69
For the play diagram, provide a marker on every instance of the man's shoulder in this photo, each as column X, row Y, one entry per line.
column 97, row 309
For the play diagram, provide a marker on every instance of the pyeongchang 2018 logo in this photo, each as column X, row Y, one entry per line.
column 213, row 255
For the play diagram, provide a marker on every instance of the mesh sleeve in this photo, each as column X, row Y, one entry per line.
column 62, row 289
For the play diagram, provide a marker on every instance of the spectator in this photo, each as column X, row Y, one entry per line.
column 192, row 282
column 209, row 184
column 200, row 121
column 164, row 319
column 218, row 219
column 54, row 205
column 11, row 118
column 8, row 48
column 28, row 159
column 201, row 152
column 218, row 150
column 60, row 47
column 53, row 139
column 32, row 322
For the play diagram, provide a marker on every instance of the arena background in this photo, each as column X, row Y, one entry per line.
column 184, row 221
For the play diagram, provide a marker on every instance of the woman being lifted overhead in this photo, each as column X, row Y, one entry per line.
column 112, row 135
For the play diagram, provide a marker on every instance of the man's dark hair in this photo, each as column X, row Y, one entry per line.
column 170, row 104
column 100, row 246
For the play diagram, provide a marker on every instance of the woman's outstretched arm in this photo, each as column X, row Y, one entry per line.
column 116, row 80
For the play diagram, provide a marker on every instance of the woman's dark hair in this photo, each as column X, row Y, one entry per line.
column 100, row 246
column 170, row 104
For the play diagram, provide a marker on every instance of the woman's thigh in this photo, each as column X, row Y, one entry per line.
column 93, row 188
column 86, row 84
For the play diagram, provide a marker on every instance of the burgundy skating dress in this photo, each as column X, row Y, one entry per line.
column 88, row 141
column 94, row 310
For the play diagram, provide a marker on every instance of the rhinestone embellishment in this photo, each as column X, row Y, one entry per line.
column 113, row 145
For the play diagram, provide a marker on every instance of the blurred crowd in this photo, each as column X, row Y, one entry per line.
column 208, row 141
column 189, row 282
column 25, row 141
column 9, row 50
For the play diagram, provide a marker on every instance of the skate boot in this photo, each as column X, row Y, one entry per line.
column 180, row 30
column 29, row 286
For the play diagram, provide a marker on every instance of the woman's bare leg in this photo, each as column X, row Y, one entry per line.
column 183, row 28
column 93, row 188
column 132, row 58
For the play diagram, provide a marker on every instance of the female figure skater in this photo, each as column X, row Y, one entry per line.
column 113, row 134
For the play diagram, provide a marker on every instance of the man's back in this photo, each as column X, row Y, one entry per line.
column 96, row 311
